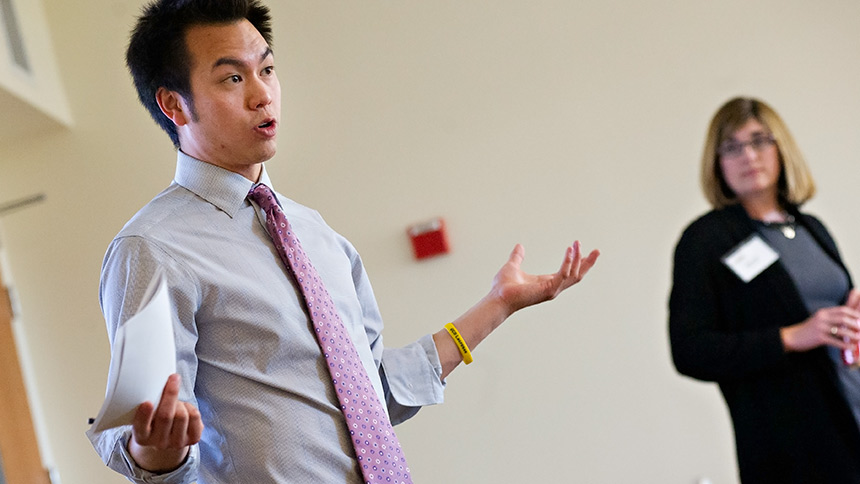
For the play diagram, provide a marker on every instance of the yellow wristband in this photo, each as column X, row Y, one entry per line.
column 461, row 343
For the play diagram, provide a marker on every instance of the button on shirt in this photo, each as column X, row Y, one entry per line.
column 245, row 350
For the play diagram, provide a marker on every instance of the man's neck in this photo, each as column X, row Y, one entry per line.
column 251, row 172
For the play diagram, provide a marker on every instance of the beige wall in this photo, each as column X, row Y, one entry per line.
column 537, row 122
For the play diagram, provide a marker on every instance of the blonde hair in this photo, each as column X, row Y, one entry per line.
column 796, row 185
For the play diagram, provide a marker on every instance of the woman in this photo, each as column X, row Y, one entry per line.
column 762, row 304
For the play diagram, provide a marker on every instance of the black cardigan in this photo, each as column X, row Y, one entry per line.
column 791, row 421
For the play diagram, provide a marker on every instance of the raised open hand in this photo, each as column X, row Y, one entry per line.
column 518, row 289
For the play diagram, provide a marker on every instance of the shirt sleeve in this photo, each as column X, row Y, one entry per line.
column 412, row 378
column 129, row 266
column 411, row 375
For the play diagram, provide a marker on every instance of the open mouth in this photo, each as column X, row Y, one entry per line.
column 266, row 124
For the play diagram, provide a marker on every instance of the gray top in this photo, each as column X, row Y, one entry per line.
column 821, row 283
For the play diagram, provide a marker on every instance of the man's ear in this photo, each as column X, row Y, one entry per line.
column 173, row 106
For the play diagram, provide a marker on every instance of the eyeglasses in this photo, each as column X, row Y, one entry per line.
column 734, row 149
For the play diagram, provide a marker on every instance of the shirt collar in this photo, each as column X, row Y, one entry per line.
column 222, row 188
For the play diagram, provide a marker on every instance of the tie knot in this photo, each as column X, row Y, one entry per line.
column 264, row 197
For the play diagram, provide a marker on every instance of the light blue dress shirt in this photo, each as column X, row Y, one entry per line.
column 245, row 350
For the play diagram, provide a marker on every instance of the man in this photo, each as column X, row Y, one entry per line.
column 253, row 400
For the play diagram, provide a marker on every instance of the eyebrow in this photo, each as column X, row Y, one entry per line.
column 231, row 61
column 754, row 134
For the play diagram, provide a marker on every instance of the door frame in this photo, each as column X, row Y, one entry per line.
column 19, row 447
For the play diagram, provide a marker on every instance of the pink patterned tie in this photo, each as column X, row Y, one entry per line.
column 376, row 447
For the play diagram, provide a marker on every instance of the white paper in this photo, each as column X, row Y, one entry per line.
column 144, row 356
column 750, row 258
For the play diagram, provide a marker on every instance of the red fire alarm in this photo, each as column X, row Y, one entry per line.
column 429, row 238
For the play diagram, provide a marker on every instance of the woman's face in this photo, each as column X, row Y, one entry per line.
column 749, row 161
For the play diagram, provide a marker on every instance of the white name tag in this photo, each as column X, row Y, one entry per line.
column 750, row 258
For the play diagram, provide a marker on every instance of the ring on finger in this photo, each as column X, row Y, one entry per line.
column 834, row 330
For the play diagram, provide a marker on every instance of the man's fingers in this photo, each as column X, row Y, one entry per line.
column 570, row 262
column 195, row 425
column 517, row 255
column 588, row 262
column 162, row 422
column 152, row 425
column 141, row 426
column 187, row 427
column 579, row 266
column 170, row 394
column 176, row 437
column 173, row 424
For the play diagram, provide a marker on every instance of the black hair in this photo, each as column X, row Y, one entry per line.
column 158, row 56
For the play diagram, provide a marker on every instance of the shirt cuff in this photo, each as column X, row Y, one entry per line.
column 414, row 373
column 184, row 474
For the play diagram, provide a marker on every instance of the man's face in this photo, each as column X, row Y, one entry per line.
column 236, row 98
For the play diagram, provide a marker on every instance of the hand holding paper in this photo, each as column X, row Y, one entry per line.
column 143, row 387
column 161, row 435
